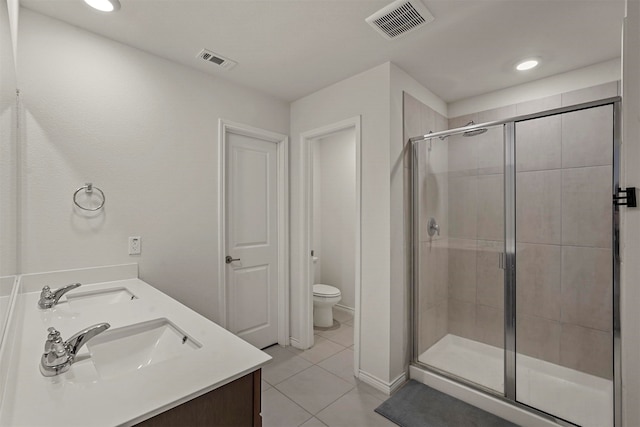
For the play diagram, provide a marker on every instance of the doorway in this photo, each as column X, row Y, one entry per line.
column 253, row 249
column 331, row 231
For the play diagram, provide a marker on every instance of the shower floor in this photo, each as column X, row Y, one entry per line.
column 581, row 398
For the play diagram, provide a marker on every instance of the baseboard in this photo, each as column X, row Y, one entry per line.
column 383, row 386
column 350, row 310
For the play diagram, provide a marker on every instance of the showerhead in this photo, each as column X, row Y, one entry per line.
column 475, row 131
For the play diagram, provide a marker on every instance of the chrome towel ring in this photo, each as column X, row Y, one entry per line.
column 88, row 188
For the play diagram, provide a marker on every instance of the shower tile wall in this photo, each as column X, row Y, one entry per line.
column 563, row 214
column 476, row 283
column 419, row 119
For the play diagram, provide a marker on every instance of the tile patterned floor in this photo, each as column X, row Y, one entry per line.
column 316, row 387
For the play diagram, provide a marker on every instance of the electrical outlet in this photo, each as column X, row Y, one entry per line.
column 135, row 244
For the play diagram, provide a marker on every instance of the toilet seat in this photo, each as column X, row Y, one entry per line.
column 320, row 290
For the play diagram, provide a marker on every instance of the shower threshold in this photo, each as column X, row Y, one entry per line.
column 581, row 398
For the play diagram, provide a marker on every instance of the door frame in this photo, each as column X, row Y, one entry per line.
column 282, row 143
column 306, row 295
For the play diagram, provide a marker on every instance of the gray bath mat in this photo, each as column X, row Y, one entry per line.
column 417, row 405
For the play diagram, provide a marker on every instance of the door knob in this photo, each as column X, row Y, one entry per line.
column 229, row 260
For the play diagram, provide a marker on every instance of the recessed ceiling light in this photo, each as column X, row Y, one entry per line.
column 525, row 65
column 104, row 5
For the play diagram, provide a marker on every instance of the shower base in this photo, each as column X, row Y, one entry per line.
column 578, row 397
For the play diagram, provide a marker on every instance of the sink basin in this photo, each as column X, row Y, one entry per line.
column 123, row 350
column 99, row 297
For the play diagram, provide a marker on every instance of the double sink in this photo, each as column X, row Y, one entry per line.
column 129, row 348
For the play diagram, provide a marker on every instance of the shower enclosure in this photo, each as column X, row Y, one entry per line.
column 515, row 286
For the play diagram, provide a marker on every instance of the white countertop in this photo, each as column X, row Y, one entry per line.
column 80, row 397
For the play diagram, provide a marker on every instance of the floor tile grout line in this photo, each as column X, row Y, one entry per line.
column 341, row 345
column 304, row 369
column 353, row 387
column 336, row 375
column 332, row 402
column 305, row 421
column 295, row 403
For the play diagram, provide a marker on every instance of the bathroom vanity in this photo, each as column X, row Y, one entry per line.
column 159, row 363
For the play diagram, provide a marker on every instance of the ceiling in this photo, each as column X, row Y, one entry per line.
column 290, row 48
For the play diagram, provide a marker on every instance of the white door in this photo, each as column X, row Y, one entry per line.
column 252, row 238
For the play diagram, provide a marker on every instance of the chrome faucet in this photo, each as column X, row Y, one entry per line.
column 58, row 356
column 50, row 298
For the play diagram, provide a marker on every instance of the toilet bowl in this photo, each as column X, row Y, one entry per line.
column 324, row 298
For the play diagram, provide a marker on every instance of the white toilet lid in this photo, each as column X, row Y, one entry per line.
column 325, row 290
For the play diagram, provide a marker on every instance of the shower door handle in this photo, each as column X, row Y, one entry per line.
column 501, row 260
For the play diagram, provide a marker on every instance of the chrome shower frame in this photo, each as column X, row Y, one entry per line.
column 509, row 395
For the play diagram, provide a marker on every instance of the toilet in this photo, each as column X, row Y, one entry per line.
column 324, row 298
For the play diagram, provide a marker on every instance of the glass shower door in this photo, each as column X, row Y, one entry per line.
column 459, row 298
column 564, row 281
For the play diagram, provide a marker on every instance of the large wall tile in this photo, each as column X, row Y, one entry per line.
column 434, row 274
column 586, row 206
column 501, row 113
column 587, row 350
column 442, row 123
column 437, row 156
column 587, row 137
column 462, row 319
column 460, row 121
column 462, row 270
column 412, row 119
column 433, row 325
column 490, row 277
column 412, row 125
column 463, row 207
column 433, row 190
column 434, row 201
column 490, row 207
column 538, row 337
column 538, row 144
column 490, row 151
column 463, row 155
column 427, row 119
column 539, row 207
column 538, row 277
column 490, row 325
column 594, row 93
column 587, row 288
column 538, row 105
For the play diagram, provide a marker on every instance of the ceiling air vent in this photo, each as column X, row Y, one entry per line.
column 214, row 58
column 400, row 17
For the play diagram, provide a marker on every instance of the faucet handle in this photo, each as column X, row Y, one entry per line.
column 52, row 338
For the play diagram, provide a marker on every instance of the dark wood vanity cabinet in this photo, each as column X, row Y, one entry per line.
column 236, row 404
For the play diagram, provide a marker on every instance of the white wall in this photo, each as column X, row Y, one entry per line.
column 630, row 243
column 335, row 212
column 375, row 95
column 144, row 130
column 592, row 75
column 8, row 166
column 367, row 95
